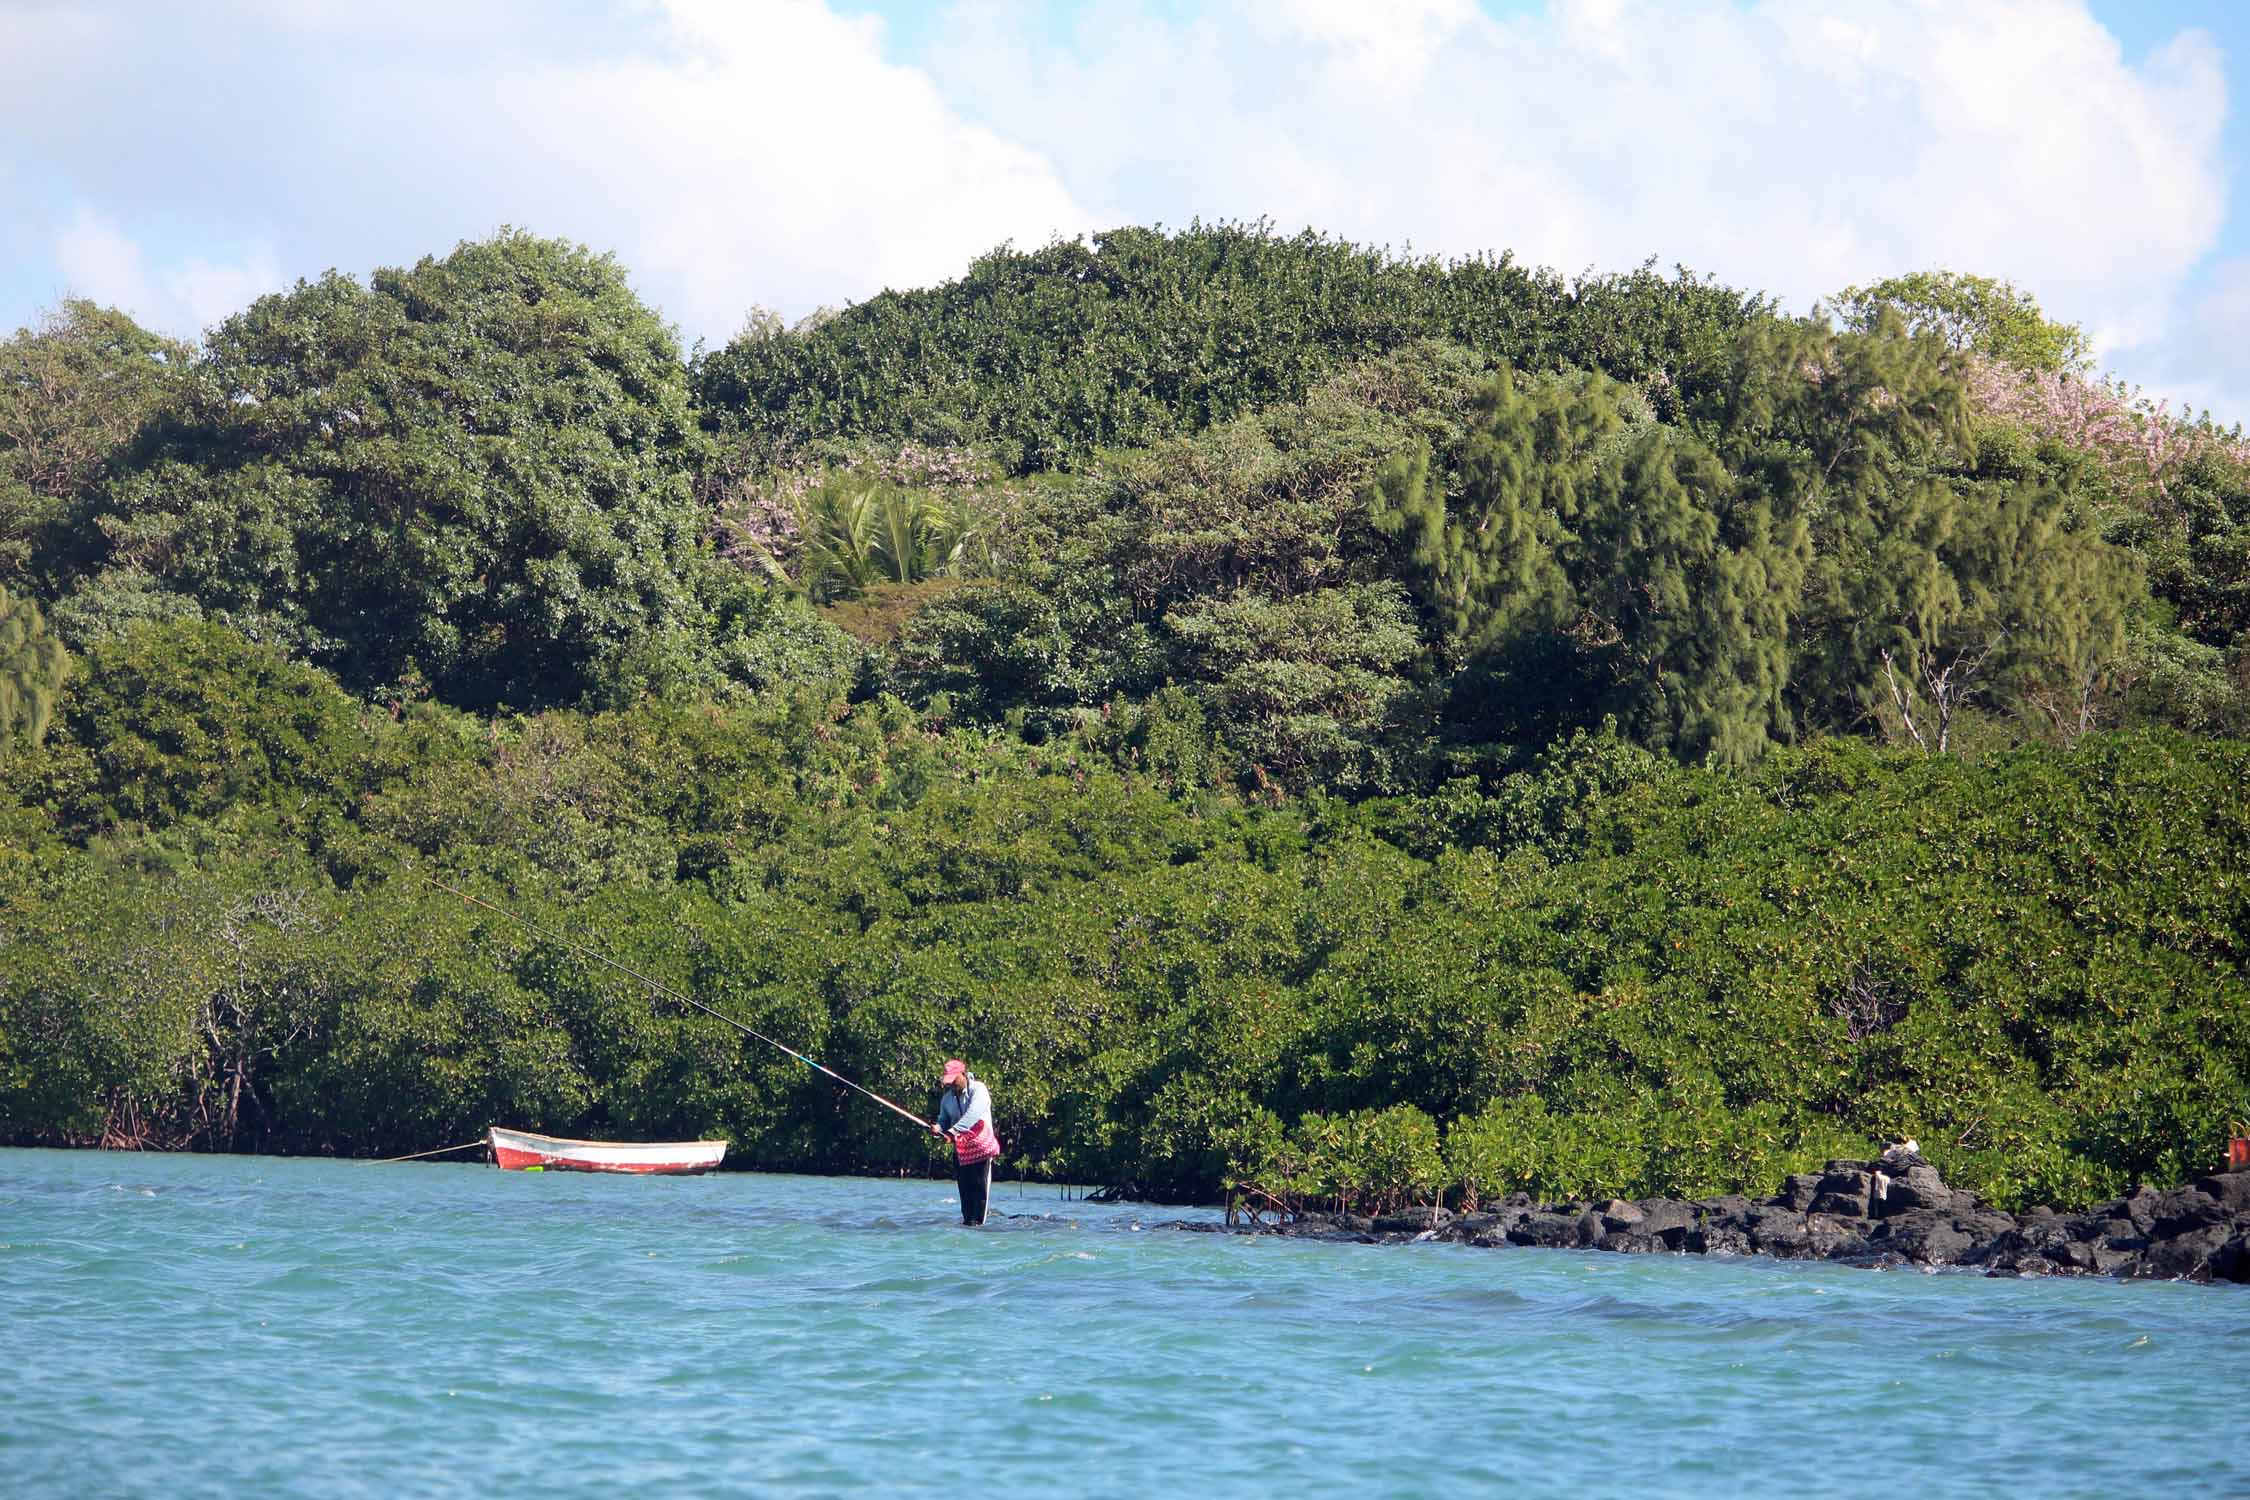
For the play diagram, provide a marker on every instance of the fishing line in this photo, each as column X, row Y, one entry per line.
column 664, row 989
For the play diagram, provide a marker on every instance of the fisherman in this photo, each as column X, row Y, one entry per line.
column 964, row 1117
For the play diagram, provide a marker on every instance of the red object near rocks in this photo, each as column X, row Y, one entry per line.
column 2238, row 1154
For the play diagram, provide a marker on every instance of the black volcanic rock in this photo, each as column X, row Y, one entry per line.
column 1551, row 1231
column 1798, row 1193
column 1894, row 1212
column 1924, row 1236
column 1920, row 1189
column 2230, row 1190
column 1844, row 1190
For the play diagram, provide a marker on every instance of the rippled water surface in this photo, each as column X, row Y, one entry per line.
column 205, row 1325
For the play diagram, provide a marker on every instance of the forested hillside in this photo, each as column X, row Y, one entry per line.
column 1264, row 701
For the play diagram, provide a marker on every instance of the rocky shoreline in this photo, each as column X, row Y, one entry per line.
column 1895, row 1211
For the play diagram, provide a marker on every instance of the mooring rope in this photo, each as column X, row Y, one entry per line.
column 418, row 1155
column 664, row 989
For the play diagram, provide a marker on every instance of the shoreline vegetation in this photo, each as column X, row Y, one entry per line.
column 1298, row 719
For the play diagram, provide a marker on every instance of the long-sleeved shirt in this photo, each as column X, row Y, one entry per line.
column 965, row 1110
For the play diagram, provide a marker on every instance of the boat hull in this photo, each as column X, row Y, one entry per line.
column 520, row 1150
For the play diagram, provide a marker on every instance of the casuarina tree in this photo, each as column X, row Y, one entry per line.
column 1600, row 566
column 1526, row 468
column 33, row 665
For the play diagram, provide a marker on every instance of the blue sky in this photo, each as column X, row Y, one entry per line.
column 180, row 161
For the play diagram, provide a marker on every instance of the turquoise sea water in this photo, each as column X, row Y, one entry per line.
column 256, row 1326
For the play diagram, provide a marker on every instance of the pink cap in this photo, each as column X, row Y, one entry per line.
column 954, row 1068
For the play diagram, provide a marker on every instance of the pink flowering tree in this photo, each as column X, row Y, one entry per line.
column 2138, row 442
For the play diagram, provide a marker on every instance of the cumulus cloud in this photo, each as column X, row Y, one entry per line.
column 771, row 154
column 729, row 155
column 1794, row 147
column 2200, row 367
column 100, row 263
column 98, row 260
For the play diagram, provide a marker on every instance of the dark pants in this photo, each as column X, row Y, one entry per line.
column 976, row 1189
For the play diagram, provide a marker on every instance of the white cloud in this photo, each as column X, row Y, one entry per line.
column 97, row 260
column 40, row 42
column 1791, row 147
column 1387, row 49
column 771, row 156
column 2224, row 314
column 728, row 154
column 207, row 291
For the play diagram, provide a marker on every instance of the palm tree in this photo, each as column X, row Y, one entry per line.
column 860, row 532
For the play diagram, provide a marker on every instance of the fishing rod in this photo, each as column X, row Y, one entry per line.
column 664, row 989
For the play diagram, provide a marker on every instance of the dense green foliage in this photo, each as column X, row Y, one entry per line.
column 1048, row 356
column 1603, row 973
column 1432, row 560
column 1625, row 567
column 73, row 392
column 1978, row 313
column 2198, row 550
column 473, row 475
column 33, row 666
column 1351, row 726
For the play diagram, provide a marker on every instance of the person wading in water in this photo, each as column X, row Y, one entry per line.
column 964, row 1117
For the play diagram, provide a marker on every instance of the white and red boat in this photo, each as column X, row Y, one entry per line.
column 519, row 1150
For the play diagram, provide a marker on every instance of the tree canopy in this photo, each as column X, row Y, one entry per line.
column 1976, row 313
column 471, row 476
column 1049, row 356
column 74, row 389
